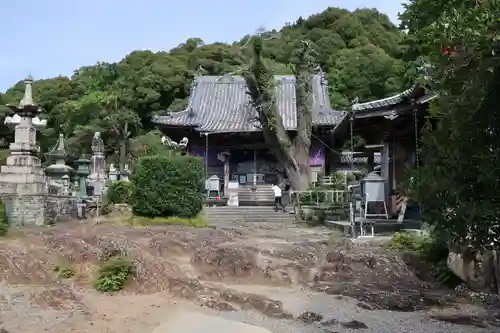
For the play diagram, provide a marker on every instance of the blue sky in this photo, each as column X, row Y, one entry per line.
column 51, row 37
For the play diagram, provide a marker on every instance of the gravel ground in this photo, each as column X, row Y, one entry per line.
column 340, row 310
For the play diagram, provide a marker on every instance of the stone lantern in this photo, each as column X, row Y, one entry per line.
column 82, row 171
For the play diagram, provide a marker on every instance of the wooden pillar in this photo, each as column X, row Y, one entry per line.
column 371, row 161
column 385, row 168
column 227, row 170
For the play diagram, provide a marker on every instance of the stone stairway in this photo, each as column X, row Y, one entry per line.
column 227, row 214
column 262, row 195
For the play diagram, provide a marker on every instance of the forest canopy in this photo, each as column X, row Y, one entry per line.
column 361, row 53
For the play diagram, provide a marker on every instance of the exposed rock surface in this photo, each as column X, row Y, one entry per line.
column 279, row 272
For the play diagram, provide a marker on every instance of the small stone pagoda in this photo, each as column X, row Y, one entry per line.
column 58, row 173
column 22, row 179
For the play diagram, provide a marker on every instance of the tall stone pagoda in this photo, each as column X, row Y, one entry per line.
column 22, row 179
column 97, row 178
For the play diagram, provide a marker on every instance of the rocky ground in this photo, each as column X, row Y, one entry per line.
column 279, row 278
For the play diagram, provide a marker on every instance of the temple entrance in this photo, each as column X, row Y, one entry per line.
column 254, row 167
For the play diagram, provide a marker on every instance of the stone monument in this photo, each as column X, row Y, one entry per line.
column 56, row 172
column 125, row 173
column 22, row 179
column 113, row 173
column 97, row 177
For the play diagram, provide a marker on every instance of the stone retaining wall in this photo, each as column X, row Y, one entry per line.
column 39, row 209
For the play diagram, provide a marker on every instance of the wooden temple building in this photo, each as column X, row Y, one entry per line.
column 221, row 127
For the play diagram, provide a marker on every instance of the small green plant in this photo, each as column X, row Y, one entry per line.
column 65, row 271
column 113, row 274
column 406, row 241
column 4, row 227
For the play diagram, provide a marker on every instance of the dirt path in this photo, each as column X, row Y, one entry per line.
column 282, row 279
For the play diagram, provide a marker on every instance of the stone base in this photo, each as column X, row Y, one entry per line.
column 98, row 185
column 24, row 209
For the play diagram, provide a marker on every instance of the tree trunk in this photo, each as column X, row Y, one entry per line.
column 123, row 147
column 292, row 154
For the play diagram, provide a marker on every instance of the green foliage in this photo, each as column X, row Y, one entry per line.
column 4, row 227
column 432, row 249
column 457, row 183
column 119, row 191
column 164, row 186
column 406, row 241
column 65, row 271
column 148, row 144
column 195, row 222
column 113, row 274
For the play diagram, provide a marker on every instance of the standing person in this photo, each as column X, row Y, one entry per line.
column 277, row 197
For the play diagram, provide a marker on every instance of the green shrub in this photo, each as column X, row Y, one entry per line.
column 119, row 191
column 168, row 186
column 406, row 241
column 113, row 274
column 4, row 227
column 432, row 249
column 65, row 271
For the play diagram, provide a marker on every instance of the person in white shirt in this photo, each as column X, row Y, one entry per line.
column 277, row 197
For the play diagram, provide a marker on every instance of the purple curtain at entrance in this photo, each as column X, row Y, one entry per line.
column 317, row 154
column 212, row 155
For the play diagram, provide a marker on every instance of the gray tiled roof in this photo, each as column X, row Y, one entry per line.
column 389, row 103
column 383, row 103
column 221, row 104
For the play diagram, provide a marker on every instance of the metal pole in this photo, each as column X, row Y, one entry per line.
column 254, row 167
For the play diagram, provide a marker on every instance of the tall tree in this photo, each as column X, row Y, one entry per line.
column 458, row 182
column 291, row 152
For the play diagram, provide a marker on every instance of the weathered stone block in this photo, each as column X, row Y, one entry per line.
column 24, row 209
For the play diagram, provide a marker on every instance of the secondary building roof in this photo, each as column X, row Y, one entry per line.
column 393, row 104
column 221, row 104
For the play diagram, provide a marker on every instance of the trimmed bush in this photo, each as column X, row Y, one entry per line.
column 119, row 191
column 165, row 186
